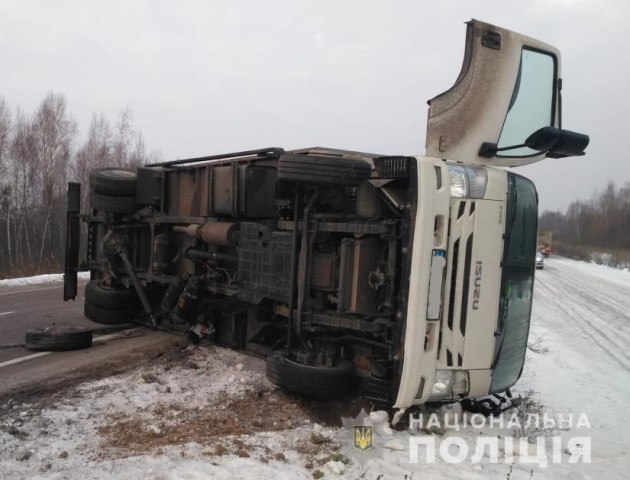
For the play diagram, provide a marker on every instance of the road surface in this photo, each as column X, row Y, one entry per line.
column 36, row 306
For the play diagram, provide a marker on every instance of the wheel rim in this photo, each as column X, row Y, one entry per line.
column 59, row 329
column 106, row 288
column 118, row 173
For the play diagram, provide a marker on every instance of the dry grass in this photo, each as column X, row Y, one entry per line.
column 176, row 425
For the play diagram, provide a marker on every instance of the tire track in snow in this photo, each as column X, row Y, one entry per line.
column 578, row 306
column 608, row 296
column 606, row 301
column 593, row 335
column 577, row 300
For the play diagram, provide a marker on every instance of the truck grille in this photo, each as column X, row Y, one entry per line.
column 460, row 244
column 393, row 167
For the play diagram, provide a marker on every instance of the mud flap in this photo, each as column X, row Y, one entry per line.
column 72, row 241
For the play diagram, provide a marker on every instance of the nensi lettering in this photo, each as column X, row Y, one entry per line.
column 477, row 290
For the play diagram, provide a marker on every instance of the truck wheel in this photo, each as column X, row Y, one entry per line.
column 111, row 299
column 106, row 316
column 321, row 382
column 303, row 168
column 113, row 204
column 58, row 338
column 114, row 181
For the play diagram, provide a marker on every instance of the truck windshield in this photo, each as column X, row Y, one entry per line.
column 517, row 282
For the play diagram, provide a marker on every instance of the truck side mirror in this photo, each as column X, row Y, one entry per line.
column 558, row 143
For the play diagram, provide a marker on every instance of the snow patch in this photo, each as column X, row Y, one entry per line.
column 39, row 279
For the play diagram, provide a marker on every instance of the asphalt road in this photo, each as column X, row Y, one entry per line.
column 36, row 306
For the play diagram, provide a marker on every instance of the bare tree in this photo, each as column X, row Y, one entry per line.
column 23, row 173
column 128, row 149
column 37, row 157
column 155, row 157
column 137, row 156
column 5, row 131
column 5, row 203
column 598, row 225
column 123, row 138
column 54, row 131
column 97, row 151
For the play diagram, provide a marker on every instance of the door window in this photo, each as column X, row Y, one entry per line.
column 532, row 103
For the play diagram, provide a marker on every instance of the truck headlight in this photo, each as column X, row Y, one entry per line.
column 449, row 383
column 468, row 181
column 441, row 382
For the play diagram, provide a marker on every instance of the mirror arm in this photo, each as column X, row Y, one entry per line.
column 489, row 150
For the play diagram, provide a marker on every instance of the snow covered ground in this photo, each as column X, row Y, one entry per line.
column 210, row 413
column 39, row 279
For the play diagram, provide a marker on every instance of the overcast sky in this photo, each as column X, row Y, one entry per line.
column 205, row 77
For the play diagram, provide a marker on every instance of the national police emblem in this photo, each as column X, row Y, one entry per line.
column 363, row 437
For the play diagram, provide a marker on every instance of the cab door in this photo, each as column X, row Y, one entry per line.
column 508, row 88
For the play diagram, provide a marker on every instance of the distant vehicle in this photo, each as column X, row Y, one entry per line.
column 544, row 243
column 410, row 274
column 540, row 260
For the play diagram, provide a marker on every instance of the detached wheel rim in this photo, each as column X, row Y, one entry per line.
column 58, row 338
column 56, row 329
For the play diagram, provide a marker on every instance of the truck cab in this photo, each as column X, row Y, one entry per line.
column 407, row 276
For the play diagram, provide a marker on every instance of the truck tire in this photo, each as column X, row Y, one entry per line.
column 119, row 182
column 106, row 316
column 57, row 338
column 320, row 382
column 113, row 204
column 110, row 299
column 313, row 169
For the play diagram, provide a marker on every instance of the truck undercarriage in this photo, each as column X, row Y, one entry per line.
column 300, row 252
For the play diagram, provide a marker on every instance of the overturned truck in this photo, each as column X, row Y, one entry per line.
column 409, row 276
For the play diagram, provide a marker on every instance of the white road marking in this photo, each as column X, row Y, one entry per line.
column 99, row 338
column 35, row 289
column 7, row 313
column 24, row 359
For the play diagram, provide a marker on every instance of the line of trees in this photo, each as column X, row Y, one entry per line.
column 593, row 227
column 39, row 154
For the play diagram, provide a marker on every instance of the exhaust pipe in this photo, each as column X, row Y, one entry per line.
column 213, row 233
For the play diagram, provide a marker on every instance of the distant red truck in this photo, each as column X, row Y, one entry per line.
column 544, row 243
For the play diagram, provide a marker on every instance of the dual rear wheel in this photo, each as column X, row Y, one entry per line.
column 112, row 190
column 110, row 306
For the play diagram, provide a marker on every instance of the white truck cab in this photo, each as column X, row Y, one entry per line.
column 476, row 225
column 409, row 276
